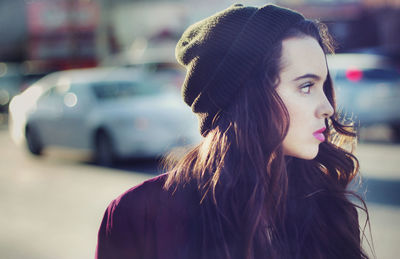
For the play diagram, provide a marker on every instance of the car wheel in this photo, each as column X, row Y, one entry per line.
column 104, row 150
column 33, row 142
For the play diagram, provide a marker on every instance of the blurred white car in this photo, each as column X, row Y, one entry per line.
column 367, row 88
column 114, row 112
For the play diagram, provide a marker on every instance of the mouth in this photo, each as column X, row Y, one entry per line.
column 319, row 134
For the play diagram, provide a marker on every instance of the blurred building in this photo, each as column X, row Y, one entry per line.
column 52, row 34
column 357, row 25
column 62, row 33
column 74, row 33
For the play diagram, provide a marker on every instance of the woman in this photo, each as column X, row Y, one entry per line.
column 269, row 178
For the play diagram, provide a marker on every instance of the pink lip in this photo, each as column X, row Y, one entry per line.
column 319, row 134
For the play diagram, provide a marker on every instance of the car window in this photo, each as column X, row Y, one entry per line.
column 373, row 74
column 117, row 90
column 164, row 67
column 50, row 100
column 382, row 74
column 159, row 67
column 51, row 92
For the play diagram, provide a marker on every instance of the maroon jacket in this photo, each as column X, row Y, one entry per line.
column 149, row 222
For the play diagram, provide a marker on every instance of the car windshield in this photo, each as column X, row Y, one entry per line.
column 118, row 90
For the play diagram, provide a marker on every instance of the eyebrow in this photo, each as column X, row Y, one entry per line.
column 313, row 76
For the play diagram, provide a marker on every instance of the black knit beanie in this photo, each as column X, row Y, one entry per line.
column 220, row 52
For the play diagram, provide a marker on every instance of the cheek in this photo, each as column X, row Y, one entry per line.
column 297, row 125
column 298, row 114
column 299, row 141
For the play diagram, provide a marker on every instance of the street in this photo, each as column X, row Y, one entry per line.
column 51, row 207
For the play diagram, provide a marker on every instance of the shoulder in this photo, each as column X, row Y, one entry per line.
column 145, row 217
column 148, row 219
column 134, row 205
column 150, row 199
column 149, row 190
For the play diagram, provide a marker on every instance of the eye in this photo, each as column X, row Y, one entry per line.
column 306, row 88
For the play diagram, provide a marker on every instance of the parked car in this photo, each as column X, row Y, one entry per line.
column 114, row 112
column 367, row 88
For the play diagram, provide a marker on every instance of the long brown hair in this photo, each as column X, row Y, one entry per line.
column 257, row 203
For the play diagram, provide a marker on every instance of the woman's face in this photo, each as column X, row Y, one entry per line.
column 301, row 89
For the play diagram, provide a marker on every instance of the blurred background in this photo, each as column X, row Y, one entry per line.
column 90, row 101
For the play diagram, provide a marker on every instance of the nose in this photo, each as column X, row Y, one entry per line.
column 325, row 109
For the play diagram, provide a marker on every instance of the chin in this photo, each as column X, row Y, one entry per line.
column 305, row 153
